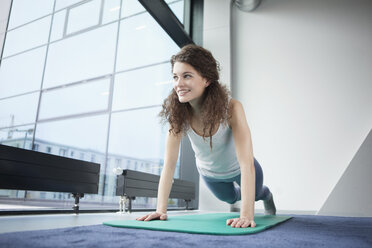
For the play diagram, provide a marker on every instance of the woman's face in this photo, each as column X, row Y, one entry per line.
column 188, row 83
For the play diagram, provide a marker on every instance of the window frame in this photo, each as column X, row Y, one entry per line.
column 182, row 34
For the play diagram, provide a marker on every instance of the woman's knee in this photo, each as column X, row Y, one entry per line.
column 228, row 197
column 230, row 200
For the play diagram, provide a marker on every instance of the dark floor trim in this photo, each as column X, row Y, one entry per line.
column 81, row 211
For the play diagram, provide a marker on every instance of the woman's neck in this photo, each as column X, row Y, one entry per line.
column 196, row 113
column 196, row 107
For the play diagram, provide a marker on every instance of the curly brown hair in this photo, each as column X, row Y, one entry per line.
column 215, row 99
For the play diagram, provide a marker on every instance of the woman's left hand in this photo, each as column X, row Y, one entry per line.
column 241, row 222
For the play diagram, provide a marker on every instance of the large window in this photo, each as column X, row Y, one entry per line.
column 86, row 80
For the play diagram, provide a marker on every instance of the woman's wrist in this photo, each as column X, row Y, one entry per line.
column 247, row 213
column 161, row 211
column 250, row 217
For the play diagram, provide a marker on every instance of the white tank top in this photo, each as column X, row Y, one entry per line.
column 221, row 162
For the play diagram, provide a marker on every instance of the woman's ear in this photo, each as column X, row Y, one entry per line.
column 207, row 84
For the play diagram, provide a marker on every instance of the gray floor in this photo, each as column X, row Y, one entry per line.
column 301, row 231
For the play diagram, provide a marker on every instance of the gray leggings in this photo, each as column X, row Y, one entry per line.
column 225, row 190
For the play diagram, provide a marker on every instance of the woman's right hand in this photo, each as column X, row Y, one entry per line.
column 153, row 216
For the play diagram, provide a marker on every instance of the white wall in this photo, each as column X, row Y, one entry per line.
column 302, row 70
column 216, row 38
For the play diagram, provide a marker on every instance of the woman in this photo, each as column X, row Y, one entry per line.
column 200, row 107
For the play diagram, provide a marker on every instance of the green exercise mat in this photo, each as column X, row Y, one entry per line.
column 202, row 223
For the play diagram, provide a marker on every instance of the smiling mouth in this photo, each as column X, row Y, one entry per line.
column 183, row 92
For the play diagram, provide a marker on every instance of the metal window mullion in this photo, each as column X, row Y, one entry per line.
column 19, row 125
column 24, row 51
column 73, row 116
column 6, row 32
column 101, row 12
column 65, row 36
column 164, row 16
column 187, row 16
column 54, row 12
column 24, row 24
column 66, row 22
column 22, row 94
column 43, row 73
column 86, row 80
column 143, row 66
column 137, row 108
column 111, row 95
column 99, row 24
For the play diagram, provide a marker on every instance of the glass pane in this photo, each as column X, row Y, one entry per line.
column 143, row 87
column 75, row 99
column 177, row 7
column 20, row 136
column 79, row 138
column 135, row 48
column 83, row 16
column 85, row 134
column 137, row 142
column 131, row 7
column 18, row 110
column 36, row 32
column 58, row 25
column 60, row 4
column 138, row 137
column 111, row 11
column 22, row 73
column 81, row 57
column 24, row 11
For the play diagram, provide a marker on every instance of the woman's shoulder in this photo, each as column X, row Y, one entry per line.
column 234, row 105
column 235, row 110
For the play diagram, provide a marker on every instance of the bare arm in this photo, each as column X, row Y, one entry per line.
column 244, row 153
column 166, row 178
column 165, row 184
